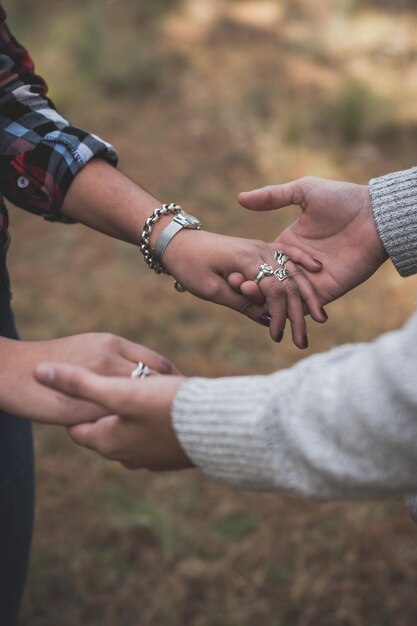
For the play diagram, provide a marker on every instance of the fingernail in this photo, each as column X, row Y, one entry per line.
column 324, row 314
column 318, row 262
column 264, row 319
column 280, row 336
column 304, row 343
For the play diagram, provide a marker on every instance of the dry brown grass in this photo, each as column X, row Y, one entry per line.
column 225, row 96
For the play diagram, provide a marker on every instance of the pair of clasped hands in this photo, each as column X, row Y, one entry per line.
column 333, row 246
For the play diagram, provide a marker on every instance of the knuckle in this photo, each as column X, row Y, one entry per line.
column 305, row 180
column 300, row 187
column 259, row 245
column 292, row 287
column 110, row 342
column 213, row 290
column 273, row 288
column 270, row 195
column 248, row 251
column 102, row 362
column 107, row 347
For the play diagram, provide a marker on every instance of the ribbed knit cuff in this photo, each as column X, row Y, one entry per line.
column 394, row 203
column 220, row 426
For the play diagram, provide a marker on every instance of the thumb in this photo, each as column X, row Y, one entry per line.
column 273, row 196
column 95, row 435
column 117, row 395
column 81, row 383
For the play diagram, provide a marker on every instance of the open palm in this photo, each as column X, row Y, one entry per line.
column 336, row 227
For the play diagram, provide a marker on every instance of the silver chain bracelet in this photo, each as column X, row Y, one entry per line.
column 145, row 246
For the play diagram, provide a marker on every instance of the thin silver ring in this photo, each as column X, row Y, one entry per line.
column 140, row 371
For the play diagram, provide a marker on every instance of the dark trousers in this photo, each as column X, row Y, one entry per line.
column 16, row 487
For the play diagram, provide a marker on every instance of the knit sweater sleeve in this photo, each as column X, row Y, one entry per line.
column 394, row 203
column 341, row 424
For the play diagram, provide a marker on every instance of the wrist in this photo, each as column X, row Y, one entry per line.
column 178, row 223
column 158, row 228
column 103, row 198
column 181, row 457
column 154, row 241
column 177, row 253
column 393, row 198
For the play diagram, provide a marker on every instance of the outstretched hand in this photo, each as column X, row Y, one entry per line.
column 137, row 429
column 101, row 353
column 203, row 262
column 336, row 227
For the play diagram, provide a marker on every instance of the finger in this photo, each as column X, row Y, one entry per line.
column 308, row 294
column 121, row 396
column 299, row 256
column 295, row 314
column 134, row 352
column 285, row 296
column 114, row 394
column 96, row 435
column 65, row 411
column 77, row 410
column 252, row 292
column 119, row 366
column 238, row 302
column 276, row 303
column 249, row 289
column 273, row 196
column 235, row 279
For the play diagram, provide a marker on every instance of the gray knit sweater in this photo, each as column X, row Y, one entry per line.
column 342, row 424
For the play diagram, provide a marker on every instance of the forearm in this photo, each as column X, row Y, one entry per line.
column 102, row 353
column 106, row 200
column 338, row 425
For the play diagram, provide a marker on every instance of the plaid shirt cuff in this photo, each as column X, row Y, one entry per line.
column 38, row 179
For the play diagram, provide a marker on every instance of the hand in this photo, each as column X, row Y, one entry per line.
column 103, row 198
column 137, row 430
column 336, row 227
column 202, row 263
column 103, row 353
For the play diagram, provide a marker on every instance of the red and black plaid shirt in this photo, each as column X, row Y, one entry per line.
column 40, row 152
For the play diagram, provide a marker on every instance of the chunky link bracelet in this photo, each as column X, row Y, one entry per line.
column 145, row 247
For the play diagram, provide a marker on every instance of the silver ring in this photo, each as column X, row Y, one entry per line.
column 140, row 371
column 282, row 273
column 264, row 270
column 280, row 257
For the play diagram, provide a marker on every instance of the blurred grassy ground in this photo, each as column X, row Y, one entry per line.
column 204, row 98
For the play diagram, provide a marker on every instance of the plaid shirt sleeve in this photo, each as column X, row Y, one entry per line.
column 40, row 152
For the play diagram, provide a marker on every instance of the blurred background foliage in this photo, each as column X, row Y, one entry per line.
column 205, row 98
